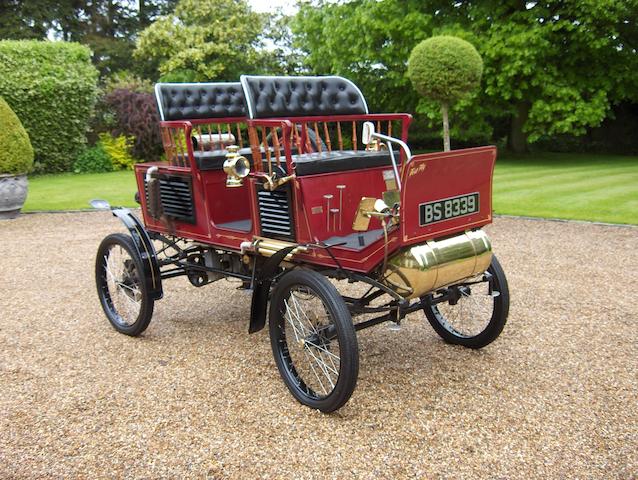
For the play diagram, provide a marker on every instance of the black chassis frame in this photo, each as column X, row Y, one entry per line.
column 161, row 265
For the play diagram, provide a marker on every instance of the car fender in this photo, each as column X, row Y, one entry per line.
column 145, row 249
column 261, row 288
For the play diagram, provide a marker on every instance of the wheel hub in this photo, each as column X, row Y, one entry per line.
column 129, row 278
column 316, row 341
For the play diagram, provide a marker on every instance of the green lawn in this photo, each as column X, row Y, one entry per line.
column 69, row 191
column 584, row 187
column 602, row 188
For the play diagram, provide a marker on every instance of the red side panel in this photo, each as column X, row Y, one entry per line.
column 204, row 184
column 454, row 181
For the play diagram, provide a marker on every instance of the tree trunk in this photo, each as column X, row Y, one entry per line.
column 110, row 18
column 446, row 127
column 517, row 139
column 142, row 17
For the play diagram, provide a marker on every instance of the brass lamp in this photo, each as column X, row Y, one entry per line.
column 236, row 167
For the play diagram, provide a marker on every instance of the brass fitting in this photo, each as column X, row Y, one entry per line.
column 236, row 167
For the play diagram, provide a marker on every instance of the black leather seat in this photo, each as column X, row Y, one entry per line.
column 189, row 101
column 307, row 163
column 214, row 159
column 340, row 161
column 285, row 97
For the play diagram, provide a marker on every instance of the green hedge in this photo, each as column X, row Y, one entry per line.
column 52, row 87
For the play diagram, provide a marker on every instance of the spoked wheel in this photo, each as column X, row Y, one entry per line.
column 475, row 312
column 121, row 286
column 313, row 340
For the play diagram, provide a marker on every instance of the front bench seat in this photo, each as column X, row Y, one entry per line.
column 214, row 159
column 341, row 161
column 307, row 163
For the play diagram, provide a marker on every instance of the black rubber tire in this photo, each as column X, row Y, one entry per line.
column 496, row 324
column 143, row 318
column 345, row 333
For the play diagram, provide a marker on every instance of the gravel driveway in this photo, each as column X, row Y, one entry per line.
column 554, row 397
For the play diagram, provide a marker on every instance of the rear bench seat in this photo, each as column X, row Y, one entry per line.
column 202, row 101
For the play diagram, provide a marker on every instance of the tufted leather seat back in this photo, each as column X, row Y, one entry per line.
column 274, row 97
column 186, row 101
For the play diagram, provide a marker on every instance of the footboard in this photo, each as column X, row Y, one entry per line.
column 446, row 192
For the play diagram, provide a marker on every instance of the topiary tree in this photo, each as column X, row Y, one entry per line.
column 445, row 69
column 16, row 152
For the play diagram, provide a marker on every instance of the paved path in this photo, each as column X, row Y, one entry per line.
column 554, row 397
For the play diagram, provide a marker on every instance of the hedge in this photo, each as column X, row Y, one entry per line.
column 52, row 87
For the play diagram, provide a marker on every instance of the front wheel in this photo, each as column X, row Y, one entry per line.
column 471, row 314
column 313, row 340
column 121, row 285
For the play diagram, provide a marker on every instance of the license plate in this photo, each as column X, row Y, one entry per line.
column 439, row 210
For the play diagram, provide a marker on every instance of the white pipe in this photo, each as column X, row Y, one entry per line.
column 149, row 172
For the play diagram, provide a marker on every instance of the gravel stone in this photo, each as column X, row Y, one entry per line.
column 197, row 397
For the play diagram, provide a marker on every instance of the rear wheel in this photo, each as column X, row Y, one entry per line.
column 313, row 340
column 121, row 286
column 476, row 311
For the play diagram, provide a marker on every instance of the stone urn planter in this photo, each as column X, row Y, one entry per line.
column 16, row 160
column 13, row 193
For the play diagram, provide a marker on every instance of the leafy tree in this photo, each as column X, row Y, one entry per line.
column 445, row 69
column 557, row 67
column 282, row 58
column 28, row 20
column 206, row 39
column 550, row 67
column 367, row 41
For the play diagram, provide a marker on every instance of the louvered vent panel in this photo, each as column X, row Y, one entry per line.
column 275, row 214
column 177, row 198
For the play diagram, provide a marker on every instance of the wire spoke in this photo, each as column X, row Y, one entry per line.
column 312, row 367
column 322, row 366
column 311, row 361
column 472, row 313
column 123, row 287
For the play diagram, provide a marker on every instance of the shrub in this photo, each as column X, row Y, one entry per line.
column 93, row 160
column 135, row 115
column 16, row 152
column 52, row 88
column 118, row 150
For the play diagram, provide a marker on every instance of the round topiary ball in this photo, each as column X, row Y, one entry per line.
column 16, row 152
column 445, row 68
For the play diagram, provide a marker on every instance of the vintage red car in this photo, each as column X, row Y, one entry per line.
column 290, row 185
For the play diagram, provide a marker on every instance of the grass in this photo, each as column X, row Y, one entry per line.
column 69, row 191
column 600, row 188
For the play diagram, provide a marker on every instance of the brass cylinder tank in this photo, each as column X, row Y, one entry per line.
column 419, row 269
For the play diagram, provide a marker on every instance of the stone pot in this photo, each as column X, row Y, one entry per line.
column 13, row 193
